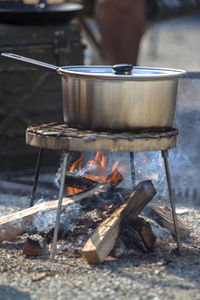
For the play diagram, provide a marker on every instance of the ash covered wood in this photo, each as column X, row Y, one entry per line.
column 17, row 223
column 103, row 239
column 163, row 216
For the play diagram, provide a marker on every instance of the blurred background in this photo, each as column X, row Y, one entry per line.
column 171, row 38
column 174, row 43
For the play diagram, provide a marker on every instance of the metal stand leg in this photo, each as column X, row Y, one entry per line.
column 37, row 171
column 165, row 156
column 56, row 229
column 132, row 168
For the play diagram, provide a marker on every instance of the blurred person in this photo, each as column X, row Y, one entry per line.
column 121, row 25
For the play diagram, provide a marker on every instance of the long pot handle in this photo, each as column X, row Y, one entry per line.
column 32, row 61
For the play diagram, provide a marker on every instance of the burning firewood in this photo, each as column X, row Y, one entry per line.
column 84, row 183
column 103, row 239
column 115, row 178
column 81, row 177
column 163, row 216
column 17, row 223
column 79, row 182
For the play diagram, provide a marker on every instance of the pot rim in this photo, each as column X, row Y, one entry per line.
column 105, row 72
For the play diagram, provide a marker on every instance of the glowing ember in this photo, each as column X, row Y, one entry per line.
column 106, row 207
column 143, row 157
column 115, row 177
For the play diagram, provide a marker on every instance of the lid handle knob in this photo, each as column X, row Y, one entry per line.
column 122, row 69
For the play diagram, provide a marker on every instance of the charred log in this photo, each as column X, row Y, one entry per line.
column 79, row 182
column 138, row 232
column 35, row 246
column 131, row 238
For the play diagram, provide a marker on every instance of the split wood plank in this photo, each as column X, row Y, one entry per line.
column 103, row 239
column 17, row 223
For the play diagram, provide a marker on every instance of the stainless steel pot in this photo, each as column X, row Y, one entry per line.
column 121, row 97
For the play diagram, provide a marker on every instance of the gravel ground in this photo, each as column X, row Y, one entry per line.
column 159, row 275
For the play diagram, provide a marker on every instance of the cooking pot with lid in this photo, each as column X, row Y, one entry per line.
column 120, row 97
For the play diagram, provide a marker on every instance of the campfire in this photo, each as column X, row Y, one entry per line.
column 99, row 216
column 95, row 170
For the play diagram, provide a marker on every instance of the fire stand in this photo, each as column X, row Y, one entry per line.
column 62, row 137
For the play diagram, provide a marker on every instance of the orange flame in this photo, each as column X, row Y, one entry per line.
column 78, row 163
column 96, row 170
column 115, row 177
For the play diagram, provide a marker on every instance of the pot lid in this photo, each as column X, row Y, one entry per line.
column 122, row 71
